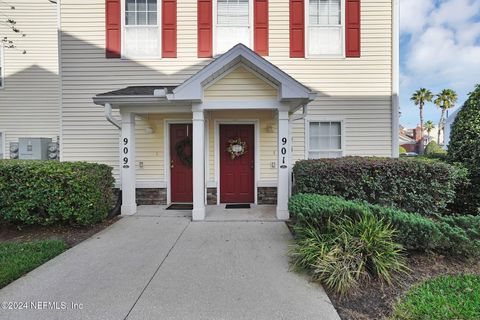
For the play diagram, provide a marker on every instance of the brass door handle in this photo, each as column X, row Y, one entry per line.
column 171, row 164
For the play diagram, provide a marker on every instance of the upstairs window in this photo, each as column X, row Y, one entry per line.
column 142, row 29
column 233, row 24
column 325, row 27
column 325, row 140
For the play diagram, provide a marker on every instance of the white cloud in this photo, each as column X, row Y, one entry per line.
column 446, row 48
column 454, row 12
column 413, row 14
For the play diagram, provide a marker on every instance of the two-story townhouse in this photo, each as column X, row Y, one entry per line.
column 212, row 101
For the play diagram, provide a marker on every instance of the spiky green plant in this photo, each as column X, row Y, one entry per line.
column 348, row 251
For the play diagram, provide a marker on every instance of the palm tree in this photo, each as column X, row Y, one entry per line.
column 429, row 126
column 420, row 97
column 444, row 100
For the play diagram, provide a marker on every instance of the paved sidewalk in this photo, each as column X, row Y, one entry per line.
column 152, row 267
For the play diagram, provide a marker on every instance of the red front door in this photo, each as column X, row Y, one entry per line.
column 237, row 175
column 180, row 167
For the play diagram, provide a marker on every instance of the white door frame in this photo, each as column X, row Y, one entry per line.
column 256, row 130
column 166, row 146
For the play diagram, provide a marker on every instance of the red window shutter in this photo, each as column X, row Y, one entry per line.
column 204, row 28
column 297, row 29
column 113, row 29
column 260, row 27
column 352, row 28
column 169, row 28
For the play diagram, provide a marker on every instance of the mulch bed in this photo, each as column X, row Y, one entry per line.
column 374, row 301
column 70, row 234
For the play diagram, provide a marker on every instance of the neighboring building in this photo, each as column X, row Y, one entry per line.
column 448, row 127
column 410, row 138
column 30, row 88
column 148, row 83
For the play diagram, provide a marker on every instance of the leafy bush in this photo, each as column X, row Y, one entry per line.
column 464, row 147
column 347, row 251
column 422, row 186
column 455, row 235
column 402, row 150
column 442, row 298
column 47, row 192
column 433, row 149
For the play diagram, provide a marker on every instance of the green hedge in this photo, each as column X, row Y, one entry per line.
column 48, row 192
column 464, row 147
column 414, row 185
column 455, row 235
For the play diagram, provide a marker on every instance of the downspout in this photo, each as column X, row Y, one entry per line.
column 290, row 124
column 395, row 78
column 109, row 116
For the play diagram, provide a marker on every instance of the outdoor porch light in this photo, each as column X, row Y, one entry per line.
column 149, row 130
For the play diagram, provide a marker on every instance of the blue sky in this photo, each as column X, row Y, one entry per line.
column 439, row 48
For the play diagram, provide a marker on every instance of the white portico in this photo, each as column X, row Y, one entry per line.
column 204, row 111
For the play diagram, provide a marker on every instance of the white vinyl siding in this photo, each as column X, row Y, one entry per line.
column 325, row 139
column 325, row 27
column 2, row 145
column 141, row 29
column 233, row 24
column 30, row 98
column 2, row 78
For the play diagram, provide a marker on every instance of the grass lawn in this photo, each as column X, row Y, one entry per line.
column 18, row 258
column 442, row 298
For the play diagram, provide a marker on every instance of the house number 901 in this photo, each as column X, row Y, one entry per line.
column 125, row 152
column 284, row 153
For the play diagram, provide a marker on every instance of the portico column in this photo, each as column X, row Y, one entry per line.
column 127, row 164
column 198, row 166
column 283, row 165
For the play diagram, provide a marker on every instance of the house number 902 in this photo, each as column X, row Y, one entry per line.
column 125, row 152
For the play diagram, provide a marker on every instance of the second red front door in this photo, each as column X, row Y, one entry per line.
column 237, row 173
column 181, row 162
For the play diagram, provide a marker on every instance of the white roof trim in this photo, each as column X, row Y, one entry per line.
column 288, row 87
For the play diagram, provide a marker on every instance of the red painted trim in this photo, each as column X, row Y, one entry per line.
column 204, row 19
column 260, row 27
column 113, row 28
column 297, row 29
column 169, row 28
column 352, row 29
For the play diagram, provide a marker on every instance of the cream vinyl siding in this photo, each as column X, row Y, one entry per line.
column 30, row 97
column 239, row 85
column 150, row 148
column 357, row 89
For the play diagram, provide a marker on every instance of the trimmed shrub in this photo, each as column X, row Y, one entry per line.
column 347, row 251
column 455, row 235
column 423, row 186
column 414, row 231
column 402, row 150
column 464, row 147
column 48, row 192
column 433, row 149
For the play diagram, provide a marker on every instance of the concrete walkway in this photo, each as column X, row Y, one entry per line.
column 164, row 267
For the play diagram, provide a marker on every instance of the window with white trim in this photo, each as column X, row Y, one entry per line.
column 233, row 24
column 325, row 139
column 141, row 29
column 325, row 27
